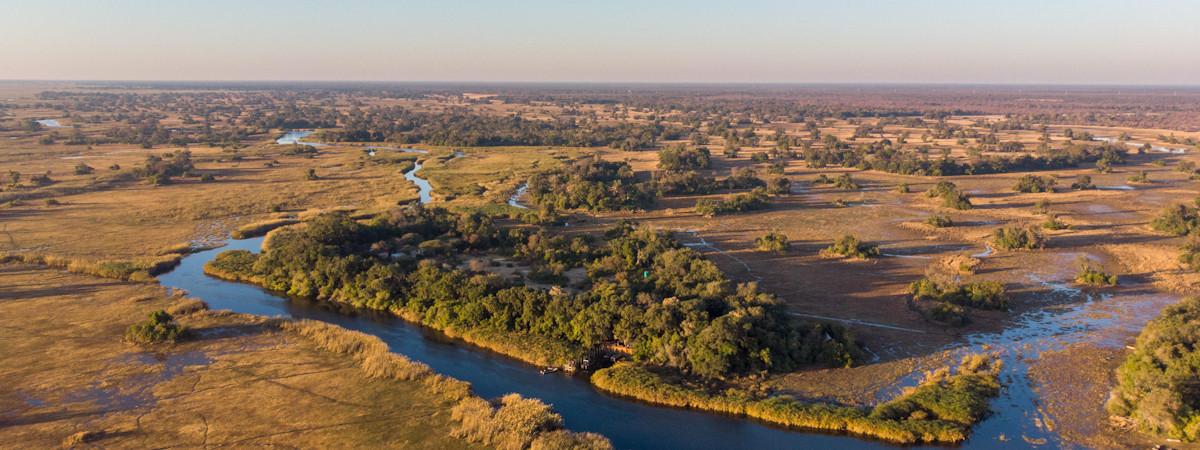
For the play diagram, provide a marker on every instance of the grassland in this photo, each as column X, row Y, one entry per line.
column 299, row 383
column 104, row 225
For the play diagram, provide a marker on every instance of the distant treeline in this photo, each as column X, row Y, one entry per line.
column 884, row 157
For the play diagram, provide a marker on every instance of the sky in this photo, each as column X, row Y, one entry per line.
column 756, row 41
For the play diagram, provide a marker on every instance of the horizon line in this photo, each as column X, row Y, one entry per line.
column 644, row 83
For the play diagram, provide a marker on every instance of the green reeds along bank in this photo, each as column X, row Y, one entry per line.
column 939, row 410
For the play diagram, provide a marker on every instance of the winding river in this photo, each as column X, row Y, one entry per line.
column 1069, row 316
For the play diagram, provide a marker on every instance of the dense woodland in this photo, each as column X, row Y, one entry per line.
column 666, row 304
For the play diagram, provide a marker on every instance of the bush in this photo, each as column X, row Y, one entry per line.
column 746, row 201
column 980, row 294
column 950, row 195
column 772, row 242
column 1091, row 276
column 1156, row 383
column 1052, row 223
column 845, row 183
column 1177, row 220
column 1018, row 238
column 939, row 221
column 1083, row 182
column 83, row 169
column 1140, row 178
column 850, row 247
column 160, row 327
column 1189, row 255
column 1034, row 183
column 1041, row 206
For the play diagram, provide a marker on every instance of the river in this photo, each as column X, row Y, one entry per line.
column 1069, row 316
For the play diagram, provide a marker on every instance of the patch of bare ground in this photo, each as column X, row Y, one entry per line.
column 861, row 385
column 1073, row 385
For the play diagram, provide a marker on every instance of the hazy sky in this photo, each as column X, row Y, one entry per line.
column 962, row 41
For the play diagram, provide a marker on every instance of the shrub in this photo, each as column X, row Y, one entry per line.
column 1083, row 182
column 746, row 201
column 1089, row 275
column 1052, row 223
column 1034, row 183
column 1018, row 238
column 980, row 294
column 83, row 169
column 845, row 183
column 772, row 242
column 1156, row 383
column 779, row 186
column 950, row 195
column 1140, row 178
column 850, row 247
column 939, row 221
column 160, row 327
column 903, row 188
column 1041, row 206
column 1189, row 255
column 1177, row 220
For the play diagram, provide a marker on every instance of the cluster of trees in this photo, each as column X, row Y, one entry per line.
column 680, row 158
column 756, row 199
column 978, row 294
column 1033, row 184
column 160, row 327
column 849, row 246
column 592, row 184
column 1178, row 220
column 160, row 169
column 692, row 183
column 644, row 292
column 1156, row 385
column 772, row 242
column 939, row 221
column 1018, row 238
column 943, row 294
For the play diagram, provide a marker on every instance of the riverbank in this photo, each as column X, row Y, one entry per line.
column 939, row 411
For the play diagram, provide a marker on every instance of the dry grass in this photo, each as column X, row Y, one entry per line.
column 262, row 227
column 239, row 381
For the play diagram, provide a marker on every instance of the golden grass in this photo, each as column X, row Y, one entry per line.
column 262, row 227
column 237, row 380
column 137, row 269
